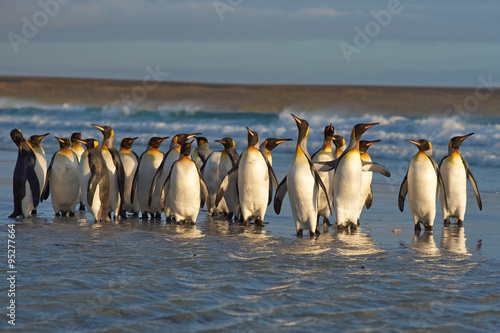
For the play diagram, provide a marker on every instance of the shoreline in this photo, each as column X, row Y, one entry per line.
column 400, row 100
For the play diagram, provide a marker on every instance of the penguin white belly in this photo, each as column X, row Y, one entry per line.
column 347, row 189
column 114, row 193
column 40, row 167
column 303, row 193
column 253, row 184
column 455, row 182
column 84, row 177
column 366, row 182
column 129, row 162
column 422, row 189
column 327, row 179
column 27, row 202
column 64, row 182
column 96, row 203
column 211, row 176
column 149, row 165
column 184, row 191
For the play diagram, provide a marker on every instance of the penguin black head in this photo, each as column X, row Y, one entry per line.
column 364, row 145
column 303, row 127
column 76, row 136
column 106, row 131
column 17, row 137
column 359, row 129
column 156, row 141
column 89, row 143
column 253, row 138
column 182, row 138
column 339, row 141
column 227, row 142
column 201, row 140
column 456, row 141
column 329, row 132
column 128, row 142
column 186, row 148
column 422, row 144
column 271, row 143
column 35, row 140
column 64, row 143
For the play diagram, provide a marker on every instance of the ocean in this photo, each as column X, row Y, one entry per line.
column 74, row 275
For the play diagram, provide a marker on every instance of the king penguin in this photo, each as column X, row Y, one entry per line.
column 268, row 145
column 130, row 161
column 41, row 160
column 201, row 153
column 366, row 198
column 96, row 182
column 26, row 186
column 455, row 172
column 62, row 180
column 149, row 162
column 254, row 177
column 340, row 146
column 228, row 159
column 185, row 189
column 421, row 183
column 116, row 171
column 302, row 183
column 77, row 147
column 325, row 154
column 348, row 177
column 158, row 197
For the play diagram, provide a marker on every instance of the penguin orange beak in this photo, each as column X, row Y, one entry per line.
column 282, row 140
column 413, row 141
column 369, row 143
column 250, row 132
column 163, row 139
column 59, row 139
column 466, row 136
column 98, row 127
column 297, row 119
column 367, row 126
column 193, row 135
column 133, row 139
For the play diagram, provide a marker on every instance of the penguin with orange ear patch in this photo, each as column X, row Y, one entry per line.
column 62, row 180
column 455, row 172
column 421, row 183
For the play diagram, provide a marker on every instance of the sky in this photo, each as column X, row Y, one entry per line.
column 387, row 42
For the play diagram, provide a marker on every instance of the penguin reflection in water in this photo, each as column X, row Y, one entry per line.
column 455, row 172
column 254, row 177
column 96, row 182
column 421, row 183
column 185, row 189
column 62, row 180
column 26, row 186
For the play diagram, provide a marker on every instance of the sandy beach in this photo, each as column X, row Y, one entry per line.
column 150, row 95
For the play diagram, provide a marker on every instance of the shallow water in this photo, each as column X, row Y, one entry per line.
column 77, row 275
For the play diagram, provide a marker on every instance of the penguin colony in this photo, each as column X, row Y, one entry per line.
column 335, row 179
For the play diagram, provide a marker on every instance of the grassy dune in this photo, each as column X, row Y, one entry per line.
column 254, row 98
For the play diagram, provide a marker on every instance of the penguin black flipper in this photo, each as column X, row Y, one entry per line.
column 34, row 185
column 231, row 176
column 319, row 182
column 440, row 179
column 19, row 190
column 46, row 186
column 166, row 184
column 327, row 166
column 117, row 161
column 205, row 195
column 403, row 191
column 472, row 181
column 272, row 175
column 92, row 187
column 369, row 199
column 155, row 178
column 205, row 163
column 375, row 167
column 134, row 181
column 280, row 195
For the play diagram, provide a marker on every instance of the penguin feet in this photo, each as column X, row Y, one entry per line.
column 58, row 214
column 259, row 222
column 33, row 212
column 13, row 215
column 460, row 222
column 427, row 227
column 327, row 222
column 158, row 216
column 358, row 222
column 447, row 221
column 300, row 232
column 71, row 214
column 230, row 216
column 144, row 216
column 82, row 206
column 417, row 226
